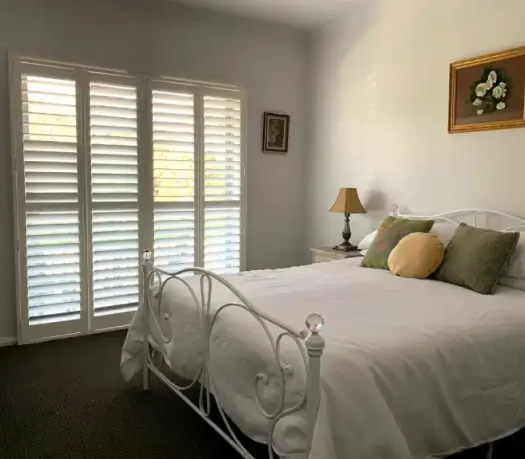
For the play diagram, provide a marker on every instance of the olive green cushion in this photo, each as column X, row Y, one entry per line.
column 475, row 258
column 391, row 231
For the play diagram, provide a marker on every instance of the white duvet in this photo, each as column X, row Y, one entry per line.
column 411, row 368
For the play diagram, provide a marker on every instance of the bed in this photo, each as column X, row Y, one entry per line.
column 402, row 368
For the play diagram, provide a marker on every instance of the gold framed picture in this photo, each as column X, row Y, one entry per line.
column 275, row 132
column 488, row 92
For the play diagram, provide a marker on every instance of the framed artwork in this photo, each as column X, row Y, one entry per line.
column 275, row 132
column 488, row 92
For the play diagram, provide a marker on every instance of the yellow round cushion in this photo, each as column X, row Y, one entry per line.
column 417, row 255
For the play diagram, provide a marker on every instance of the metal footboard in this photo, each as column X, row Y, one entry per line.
column 309, row 343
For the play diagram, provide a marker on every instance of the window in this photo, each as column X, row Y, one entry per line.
column 222, row 184
column 50, row 151
column 114, row 196
column 107, row 164
column 174, row 171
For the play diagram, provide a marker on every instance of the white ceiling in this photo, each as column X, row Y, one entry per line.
column 302, row 13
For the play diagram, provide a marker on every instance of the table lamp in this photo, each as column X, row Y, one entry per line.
column 347, row 203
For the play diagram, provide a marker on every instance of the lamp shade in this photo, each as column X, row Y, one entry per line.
column 348, row 202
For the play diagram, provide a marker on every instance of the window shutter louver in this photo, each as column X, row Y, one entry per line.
column 173, row 179
column 51, row 199
column 106, row 164
column 114, row 194
column 222, row 184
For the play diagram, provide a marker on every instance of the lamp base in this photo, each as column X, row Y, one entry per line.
column 345, row 247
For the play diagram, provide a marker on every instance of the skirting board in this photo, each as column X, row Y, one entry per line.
column 7, row 341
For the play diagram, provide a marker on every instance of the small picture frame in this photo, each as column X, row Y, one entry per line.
column 275, row 132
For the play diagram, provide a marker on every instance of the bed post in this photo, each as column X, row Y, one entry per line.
column 314, row 346
column 146, row 267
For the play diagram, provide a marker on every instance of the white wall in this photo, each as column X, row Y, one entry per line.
column 152, row 37
column 380, row 111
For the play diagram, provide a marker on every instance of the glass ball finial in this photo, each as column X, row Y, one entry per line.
column 314, row 323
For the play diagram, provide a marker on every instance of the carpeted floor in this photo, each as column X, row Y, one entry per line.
column 66, row 400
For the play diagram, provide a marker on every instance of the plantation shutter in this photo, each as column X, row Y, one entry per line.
column 173, row 128
column 222, row 184
column 114, row 195
column 50, row 199
column 106, row 165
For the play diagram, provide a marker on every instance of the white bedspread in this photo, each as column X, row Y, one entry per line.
column 411, row 368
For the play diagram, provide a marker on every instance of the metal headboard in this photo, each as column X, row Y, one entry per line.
column 480, row 218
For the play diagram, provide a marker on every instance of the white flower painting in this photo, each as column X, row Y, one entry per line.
column 487, row 92
column 497, row 92
column 491, row 92
column 481, row 89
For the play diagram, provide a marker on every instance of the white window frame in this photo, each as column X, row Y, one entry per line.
column 88, row 323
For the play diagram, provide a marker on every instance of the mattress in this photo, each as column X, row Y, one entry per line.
column 412, row 368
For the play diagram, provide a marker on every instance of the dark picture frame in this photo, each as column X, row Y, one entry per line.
column 276, row 129
column 488, row 92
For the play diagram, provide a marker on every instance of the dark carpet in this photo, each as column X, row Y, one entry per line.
column 66, row 399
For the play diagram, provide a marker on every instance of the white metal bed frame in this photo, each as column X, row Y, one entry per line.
column 489, row 217
column 309, row 342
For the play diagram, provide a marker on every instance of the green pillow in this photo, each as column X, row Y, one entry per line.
column 391, row 231
column 475, row 258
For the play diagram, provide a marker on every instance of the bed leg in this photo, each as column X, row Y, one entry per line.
column 490, row 450
column 314, row 346
column 145, row 370
column 146, row 267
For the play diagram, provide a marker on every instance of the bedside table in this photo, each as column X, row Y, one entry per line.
column 328, row 254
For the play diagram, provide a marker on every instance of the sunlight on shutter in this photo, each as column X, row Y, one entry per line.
column 51, row 199
column 173, row 179
column 114, row 189
column 93, row 147
column 222, row 184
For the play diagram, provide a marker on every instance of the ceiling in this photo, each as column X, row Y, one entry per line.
column 301, row 13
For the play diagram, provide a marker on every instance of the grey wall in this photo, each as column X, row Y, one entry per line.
column 380, row 111
column 155, row 38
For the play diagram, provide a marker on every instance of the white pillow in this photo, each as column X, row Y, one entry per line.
column 514, row 275
column 516, row 267
column 366, row 242
column 444, row 231
column 363, row 252
column 512, row 282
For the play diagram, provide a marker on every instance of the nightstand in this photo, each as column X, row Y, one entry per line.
column 321, row 254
